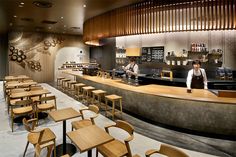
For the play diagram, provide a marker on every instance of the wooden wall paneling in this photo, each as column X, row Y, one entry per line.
column 159, row 19
column 194, row 14
column 201, row 14
column 138, row 18
column 150, row 17
column 224, row 20
column 183, row 16
column 220, row 15
column 164, row 18
column 197, row 20
column 175, row 18
column 212, row 15
column 232, row 14
column 154, row 12
column 228, row 14
column 216, row 15
column 179, row 15
column 208, row 15
column 186, row 17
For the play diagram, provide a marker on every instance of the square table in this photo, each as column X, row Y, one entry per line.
column 63, row 115
column 89, row 137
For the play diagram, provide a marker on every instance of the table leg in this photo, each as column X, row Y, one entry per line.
column 90, row 153
column 64, row 137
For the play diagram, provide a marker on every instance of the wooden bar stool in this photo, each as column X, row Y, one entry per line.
column 113, row 98
column 70, row 83
column 63, row 83
column 87, row 91
column 99, row 94
column 78, row 89
column 59, row 80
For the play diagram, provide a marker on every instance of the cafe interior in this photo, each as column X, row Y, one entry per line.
column 112, row 78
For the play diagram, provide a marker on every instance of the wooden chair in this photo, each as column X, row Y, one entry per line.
column 86, row 122
column 45, row 105
column 117, row 148
column 40, row 139
column 22, row 107
column 11, row 102
column 166, row 150
column 35, row 88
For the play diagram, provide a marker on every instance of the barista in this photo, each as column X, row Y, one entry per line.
column 132, row 68
column 196, row 77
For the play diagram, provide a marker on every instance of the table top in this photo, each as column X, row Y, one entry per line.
column 99, row 91
column 64, row 114
column 88, row 88
column 11, row 78
column 16, row 84
column 89, row 137
column 29, row 93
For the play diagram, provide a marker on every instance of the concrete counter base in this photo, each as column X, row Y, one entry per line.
column 208, row 117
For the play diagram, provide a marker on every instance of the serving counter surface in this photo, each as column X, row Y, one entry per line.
column 160, row 90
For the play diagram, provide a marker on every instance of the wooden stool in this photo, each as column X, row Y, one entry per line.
column 63, row 83
column 86, row 92
column 59, row 79
column 70, row 83
column 113, row 98
column 78, row 89
column 99, row 94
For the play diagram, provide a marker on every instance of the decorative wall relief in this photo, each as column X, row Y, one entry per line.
column 23, row 51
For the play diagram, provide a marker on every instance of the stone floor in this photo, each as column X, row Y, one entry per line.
column 147, row 136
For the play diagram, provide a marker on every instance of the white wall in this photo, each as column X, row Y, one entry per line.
column 67, row 54
column 225, row 40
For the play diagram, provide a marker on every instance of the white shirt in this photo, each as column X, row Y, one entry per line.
column 196, row 73
column 135, row 68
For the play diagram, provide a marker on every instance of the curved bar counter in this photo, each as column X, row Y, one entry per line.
column 200, row 110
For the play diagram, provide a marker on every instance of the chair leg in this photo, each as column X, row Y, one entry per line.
column 96, row 152
column 54, row 149
column 26, row 148
column 12, row 123
column 49, row 148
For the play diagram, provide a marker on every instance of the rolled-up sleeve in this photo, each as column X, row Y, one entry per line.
column 204, row 79
column 189, row 79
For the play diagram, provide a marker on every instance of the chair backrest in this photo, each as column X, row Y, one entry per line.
column 18, row 90
column 125, row 126
column 48, row 98
column 35, row 88
column 24, row 102
column 171, row 151
column 29, row 127
column 94, row 108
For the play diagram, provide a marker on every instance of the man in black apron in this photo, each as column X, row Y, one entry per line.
column 131, row 68
column 196, row 77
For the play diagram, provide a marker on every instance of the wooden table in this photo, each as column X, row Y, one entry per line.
column 63, row 115
column 17, row 84
column 29, row 93
column 16, row 78
column 89, row 137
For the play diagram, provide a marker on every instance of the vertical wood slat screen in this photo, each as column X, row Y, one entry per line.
column 159, row 17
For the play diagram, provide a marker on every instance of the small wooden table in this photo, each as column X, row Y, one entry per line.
column 15, row 85
column 63, row 115
column 29, row 93
column 89, row 137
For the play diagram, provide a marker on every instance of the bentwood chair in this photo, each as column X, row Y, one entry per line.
column 10, row 101
column 94, row 110
column 167, row 151
column 39, row 138
column 46, row 103
column 22, row 107
column 117, row 148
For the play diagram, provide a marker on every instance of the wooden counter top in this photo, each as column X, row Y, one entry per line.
column 160, row 90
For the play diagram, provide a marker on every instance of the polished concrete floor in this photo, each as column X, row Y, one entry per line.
column 211, row 144
column 147, row 136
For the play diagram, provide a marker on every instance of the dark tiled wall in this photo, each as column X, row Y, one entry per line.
column 3, row 55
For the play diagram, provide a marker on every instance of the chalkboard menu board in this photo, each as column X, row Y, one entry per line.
column 152, row 54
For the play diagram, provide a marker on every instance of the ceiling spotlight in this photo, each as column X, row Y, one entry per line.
column 22, row 3
column 64, row 25
column 62, row 17
column 84, row 5
column 10, row 24
column 49, row 27
column 21, row 6
column 15, row 16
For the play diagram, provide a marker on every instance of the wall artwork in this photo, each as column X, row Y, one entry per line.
column 24, row 51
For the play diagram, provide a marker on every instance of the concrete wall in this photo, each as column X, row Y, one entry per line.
column 3, row 55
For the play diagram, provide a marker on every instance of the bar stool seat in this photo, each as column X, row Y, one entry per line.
column 78, row 89
column 59, row 79
column 99, row 93
column 64, row 82
column 113, row 98
column 87, row 92
column 70, row 83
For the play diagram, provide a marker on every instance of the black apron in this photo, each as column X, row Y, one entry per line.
column 197, row 81
column 131, row 68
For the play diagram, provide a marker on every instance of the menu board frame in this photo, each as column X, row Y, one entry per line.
column 153, row 54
